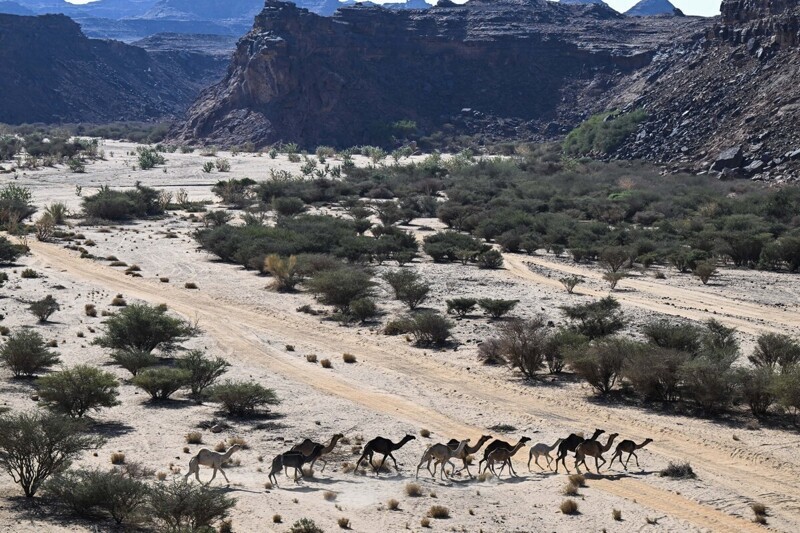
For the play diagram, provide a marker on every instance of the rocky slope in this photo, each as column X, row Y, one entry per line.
column 725, row 100
column 651, row 8
column 50, row 72
column 528, row 69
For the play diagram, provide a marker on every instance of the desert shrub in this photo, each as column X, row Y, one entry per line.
column 305, row 525
column 90, row 310
column 678, row 471
column 569, row 506
column 439, row 512
column 29, row 273
column 91, row 493
column 705, row 271
column 775, row 350
column 44, row 308
column 9, row 252
column 787, row 389
column 603, row 133
column 223, row 165
column 524, row 344
column 430, row 328
column 343, row 522
column 25, row 353
column 285, row 272
column 15, row 204
column 490, row 352
column 613, row 278
column 756, row 387
column 45, row 228
column 288, row 206
column 413, row 490
column 408, row 287
column 58, row 211
column 140, row 327
column 349, row 358
column 134, row 360
column 148, row 157
column 569, row 490
column 161, row 383
column 363, row 309
column 203, row 370
column 109, row 204
column 398, row 326
column 78, row 390
column 182, row 506
column 616, row 514
column 242, row 398
column 444, row 246
column 601, row 363
column 497, row 308
column 674, row 336
column 709, row 383
column 596, row 319
column 490, row 260
column 561, row 343
column 655, row 372
column 36, row 445
column 341, row 287
column 326, row 363
column 615, row 258
column 208, row 167
column 461, row 306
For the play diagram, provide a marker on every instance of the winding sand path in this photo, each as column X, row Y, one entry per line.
column 242, row 331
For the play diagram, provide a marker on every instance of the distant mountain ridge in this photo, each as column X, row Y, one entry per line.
column 650, row 8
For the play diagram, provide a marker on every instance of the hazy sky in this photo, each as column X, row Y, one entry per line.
column 690, row 7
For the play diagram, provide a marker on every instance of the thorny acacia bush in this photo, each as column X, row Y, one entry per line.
column 141, row 327
column 116, row 205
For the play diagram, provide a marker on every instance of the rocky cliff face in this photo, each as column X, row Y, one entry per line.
column 527, row 68
column 50, row 72
column 725, row 100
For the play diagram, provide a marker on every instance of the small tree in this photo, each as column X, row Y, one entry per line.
column 134, row 360
column 709, row 382
column 674, row 336
column 705, row 271
column 602, row 362
column 78, row 390
column 613, row 278
column 242, row 398
column 430, row 328
column 284, row 271
column 45, row 227
column 774, row 350
column 35, row 446
column 497, row 308
column 655, row 372
column 787, row 389
column 461, row 306
column 44, row 308
column 570, row 282
column 490, row 260
column 757, row 388
column 161, row 383
column 203, row 370
column 408, row 287
column 182, row 506
column 563, row 342
column 341, row 287
column 615, row 258
column 596, row 319
column 25, row 353
column 524, row 344
column 363, row 309
column 141, row 327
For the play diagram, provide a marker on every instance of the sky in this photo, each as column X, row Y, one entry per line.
column 707, row 8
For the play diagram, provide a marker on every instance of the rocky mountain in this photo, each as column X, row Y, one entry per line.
column 650, row 8
column 51, row 72
column 528, row 69
column 726, row 99
column 575, row 2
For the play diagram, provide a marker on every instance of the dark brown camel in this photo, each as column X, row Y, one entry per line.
column 569, row 444
column 383, row 447
column 308, row 445
column 494, row 445
column 469, row 450
column 293, row 459
column 594, row 449
column 629, row 447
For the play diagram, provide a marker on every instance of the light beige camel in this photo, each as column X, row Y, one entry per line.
column 215, row 460
column 594, row 449
column 539, row 450
column 307, row 448
column 504, row 455
column 441, row 454
column 629, row 447
column 468, row 451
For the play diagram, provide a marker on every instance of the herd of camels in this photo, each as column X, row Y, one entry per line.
column 440, row 455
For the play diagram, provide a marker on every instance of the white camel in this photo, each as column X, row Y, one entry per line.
column 211, row 459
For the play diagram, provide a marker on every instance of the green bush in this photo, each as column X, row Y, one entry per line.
column 709, row 383
column 756, row 387
column 15, row 204
column 408, row 287
column 596, row 319
column 9, row 252
column 140, row 327
column 203, row 370
column 288, row 206
column 363, row 309
column 182, row 506
column 497, row 308
column 341, row 287
column 148, row 157
column 134, row 360
column 161, row 383
column 774, row 350
column 305, row 525
column 25, row 353
column 109, row 204
column 78, row 390
column 36, row 445
column 603, row 133
column 491, row 259
column 461, row 306
column 674, row 336
column 242, row 398
column 602, row 362
column 44, row 308
column 444, row 246
column 90, row 493
column 524, row 345
column 430, row 328
column 787, row 389
column 655, row 372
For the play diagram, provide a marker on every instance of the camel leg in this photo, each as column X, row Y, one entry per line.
column 452, row 468
column 627, row 461
column 380, row 466
column 637, row 459
column 511, row 468
column 466, row 467
column 197, row 474
column 212, row 477
column 223, row 475
column 549, row 460
column 324, row 464
column 600, row 458
column 612, row 460
column 530, row 458
column 597, row 463
column 537, row 464
column 395, row 462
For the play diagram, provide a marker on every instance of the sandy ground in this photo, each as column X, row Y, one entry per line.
column 395, row 388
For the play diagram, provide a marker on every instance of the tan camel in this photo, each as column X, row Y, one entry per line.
column 570, row 443
column 504, row 455
column 215, row 460
column 594, row 449
column 469, row 450
column 542, row 449
column 629, row 447
column 307, row 447
column 441, row 454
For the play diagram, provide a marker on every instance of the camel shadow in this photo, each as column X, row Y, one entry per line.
column 329, row 480
column 110, row 429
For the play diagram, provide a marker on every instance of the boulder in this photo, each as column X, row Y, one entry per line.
column 730, row 158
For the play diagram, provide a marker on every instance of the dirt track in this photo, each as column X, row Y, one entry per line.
column 755, row 474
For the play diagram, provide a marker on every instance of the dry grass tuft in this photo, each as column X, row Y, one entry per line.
column 329, row 496
column 486, row 475
column 90, row 310
column 117, row 458
column 425, row 433
column 277, row 519
column 569, row 490
column 425, row 522
column 186, row 449
column 190, row 285
column 161, row 476
column 393, row 505
column 349, row 358
column 194, row 437
column 348, row 467
column 569, row 507
column 616, row 514
column 119, row 302
column 344, row 523
column 326, row 363
column 759, row 509
column 311, row 358
column 240, row 441
column 220, row 447
column 439, row 512
column 163, row 280
column 578, row 480
column 414, row 490
column 268, row 485
column 308, row 472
